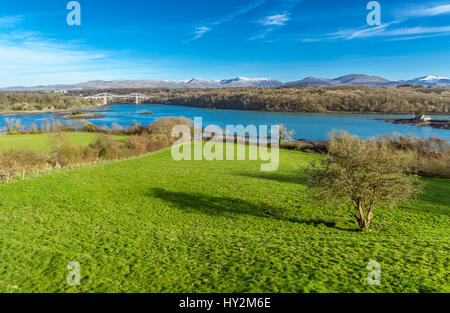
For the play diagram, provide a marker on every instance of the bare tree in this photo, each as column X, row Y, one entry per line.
column 12, row 125
column 363, row 174
column 285, row 135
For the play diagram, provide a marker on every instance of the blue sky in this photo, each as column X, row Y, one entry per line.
column 216, row 39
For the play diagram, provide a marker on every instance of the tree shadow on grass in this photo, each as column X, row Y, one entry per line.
column 282, row 178
column 211, row 205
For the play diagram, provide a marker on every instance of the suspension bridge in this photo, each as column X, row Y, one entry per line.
column 108, row 96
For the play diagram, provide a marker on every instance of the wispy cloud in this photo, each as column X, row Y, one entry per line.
column 31, row 58
column 10, row 21
column 202, row 30
column 427, row 11
column 360, row 32
column 198, row 33
column 421, row 36
column 417, row 31
column 239, row 11
column 275, row 20
column 270, row 23
column 384, row 31
column 394, row 30
column 47, row 62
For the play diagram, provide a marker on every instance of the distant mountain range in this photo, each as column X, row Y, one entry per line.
column 371, row 81
column 348, row 80
column 430, row 81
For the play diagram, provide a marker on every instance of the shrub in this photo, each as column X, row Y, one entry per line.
column 39, row 107
column 305, row 146
column 105, row 147
column 29, row 159
column 156, row 144
column 9, row 167
column 14, row 163
column 31, row 132
column 429, row 156
column 63, row 153
column 363, row 174
column 161, row 129
column 137, row 144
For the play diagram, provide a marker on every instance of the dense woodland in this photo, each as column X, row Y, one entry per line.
column 304, row 99
column 403, row 99
column 37, row 101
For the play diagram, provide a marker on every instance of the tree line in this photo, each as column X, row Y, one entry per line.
column 37, row 101
column 362, row 99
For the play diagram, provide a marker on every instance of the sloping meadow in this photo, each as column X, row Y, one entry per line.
column 153, row 224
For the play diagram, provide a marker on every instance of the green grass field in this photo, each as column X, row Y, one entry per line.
column 152, row 224
column 41, row 142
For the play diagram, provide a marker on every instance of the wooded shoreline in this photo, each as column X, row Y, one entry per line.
column 346, row 99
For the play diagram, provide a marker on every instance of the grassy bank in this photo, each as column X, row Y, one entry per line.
column 41, row 142
column 156, row 225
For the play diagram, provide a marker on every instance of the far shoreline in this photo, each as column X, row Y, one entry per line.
column 103, row 106
column 58, row 111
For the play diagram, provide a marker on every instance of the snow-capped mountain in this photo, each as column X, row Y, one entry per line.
column 189, row 83
column 245, row 82
column 438, row 81
column 371, row 81
column 347, row 80
column 198, row 83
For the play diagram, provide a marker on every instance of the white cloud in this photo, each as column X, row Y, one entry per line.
column 389, row 30
column 22, row 63
column 359, row 32
column 200, row 31
column 383, row 31
column 10, row 21
column 394, row 31
column 28, row 58
column 275, row 20
column 417, row 31
column 271, row 22
column 428, row 11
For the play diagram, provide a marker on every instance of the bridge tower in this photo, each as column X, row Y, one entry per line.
column 137, row 99
column 105, row 99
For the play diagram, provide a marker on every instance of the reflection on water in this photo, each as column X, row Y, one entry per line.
column 311, row 126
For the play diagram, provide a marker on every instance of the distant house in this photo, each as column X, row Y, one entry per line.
column 425, row 118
